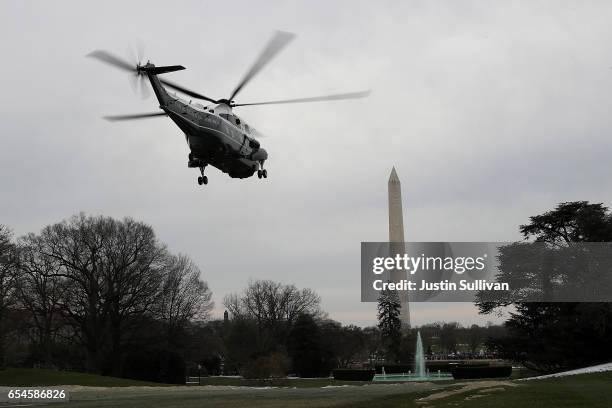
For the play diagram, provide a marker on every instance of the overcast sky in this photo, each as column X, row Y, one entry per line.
column 490, row 111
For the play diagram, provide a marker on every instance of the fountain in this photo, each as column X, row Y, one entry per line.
column 420, row 370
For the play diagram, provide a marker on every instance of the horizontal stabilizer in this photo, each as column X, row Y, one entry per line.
column 163, row 70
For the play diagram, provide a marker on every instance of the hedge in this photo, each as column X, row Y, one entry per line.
column 466, row 372
column 345, row 374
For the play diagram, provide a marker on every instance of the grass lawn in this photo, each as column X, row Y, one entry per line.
column 276, row 382
column 27, row 377
column 587, row 390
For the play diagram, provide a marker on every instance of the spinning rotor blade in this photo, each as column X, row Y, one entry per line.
column 186, row 91
column 274, row 46
column 137, row 80
column 116, row 118
column 113, row 60
column 336, row 97
column 139, row 85
column 144, row 87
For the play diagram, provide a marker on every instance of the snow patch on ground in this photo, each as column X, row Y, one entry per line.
column 593, row 369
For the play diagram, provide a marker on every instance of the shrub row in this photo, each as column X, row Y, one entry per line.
column 466, row 372
column 346, row 374
column 432, row 366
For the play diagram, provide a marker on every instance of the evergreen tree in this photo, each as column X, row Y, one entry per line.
column 389, row 322
column 304, row 347
column 552, row 336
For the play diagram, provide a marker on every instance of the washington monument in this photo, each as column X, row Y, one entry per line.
column 396, row 235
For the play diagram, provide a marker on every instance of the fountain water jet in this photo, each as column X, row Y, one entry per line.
column 419, row 358
column 420, row 370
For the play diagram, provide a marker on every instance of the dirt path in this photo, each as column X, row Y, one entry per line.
column 483, row 387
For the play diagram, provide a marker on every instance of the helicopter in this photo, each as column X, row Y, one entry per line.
column 215, row 135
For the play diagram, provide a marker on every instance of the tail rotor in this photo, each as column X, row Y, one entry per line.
column 138, row 80
column 134, row 67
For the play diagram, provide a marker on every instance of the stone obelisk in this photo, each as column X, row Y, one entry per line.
column 396, row 236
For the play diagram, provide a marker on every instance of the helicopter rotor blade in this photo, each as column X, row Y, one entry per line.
column 186, row 91
column 115, row 118
column 336, row 97
column 274, row 46
column 113, row 60
column 145, row 93
column 134, row 82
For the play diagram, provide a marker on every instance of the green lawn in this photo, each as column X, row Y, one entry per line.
column 26, row 377
column 588, row 390
column 276, row 382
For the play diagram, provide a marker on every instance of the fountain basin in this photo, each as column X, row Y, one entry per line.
column 412, row 377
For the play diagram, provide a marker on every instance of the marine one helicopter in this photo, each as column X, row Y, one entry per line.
column 214, row 134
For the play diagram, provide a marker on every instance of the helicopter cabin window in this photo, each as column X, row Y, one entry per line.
column 246, row 127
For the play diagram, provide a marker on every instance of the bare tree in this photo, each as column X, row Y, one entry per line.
column 273, row 304
column 113, row 270
column 8, row 284
column 40, row 293
column 183, row 295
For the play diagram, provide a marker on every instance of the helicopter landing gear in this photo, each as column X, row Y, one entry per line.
column 202, row 179
column 262, row 173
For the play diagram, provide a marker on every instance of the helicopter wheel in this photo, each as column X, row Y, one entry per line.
column 200, row 180
column 264, row 173
column 259, row 174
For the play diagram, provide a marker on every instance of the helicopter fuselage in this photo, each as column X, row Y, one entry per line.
column 214, row 134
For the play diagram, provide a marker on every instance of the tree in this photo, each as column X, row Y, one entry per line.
column 389, row 322
column 474, row 337
column 341, row 345
column 183, row 296
column 373, row 344
column 553, row 336
column 273, row 306
column 577, row 221
column 8, row 284
column 304, row 347
column 41, row 293
column 242, row 342
column 113, row 270
column 448, row 337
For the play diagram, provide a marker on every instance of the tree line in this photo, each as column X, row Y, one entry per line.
column 105, row 296
column 96, row 294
